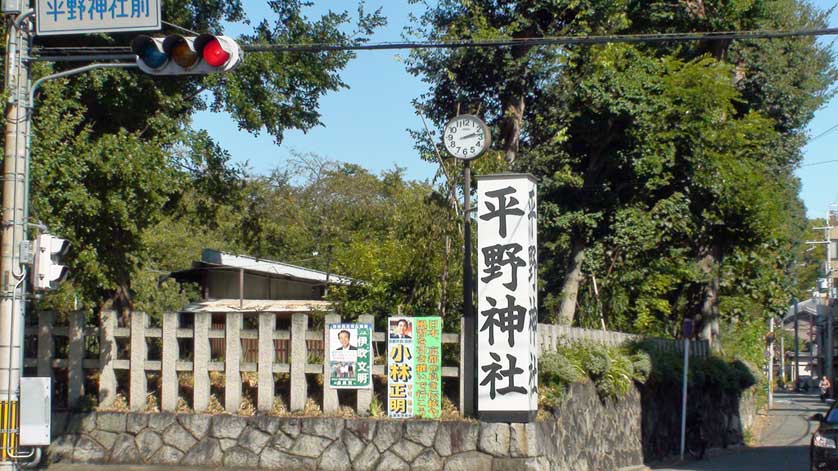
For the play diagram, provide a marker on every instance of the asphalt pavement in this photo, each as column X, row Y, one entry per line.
column 783, row 444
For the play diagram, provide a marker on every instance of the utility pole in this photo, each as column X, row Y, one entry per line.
column 782, row 359
column 771, row 363
column 796, row 345
column 12, row 272
column 824, row 307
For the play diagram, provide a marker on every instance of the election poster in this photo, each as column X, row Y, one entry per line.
column 349, row 356
column 414, row 370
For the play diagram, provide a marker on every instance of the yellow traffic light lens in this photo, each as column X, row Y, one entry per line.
column 183, row 55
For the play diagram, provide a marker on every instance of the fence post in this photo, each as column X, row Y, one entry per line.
column 232, row 361
column 365, row 395
column 138, row 391
column 299, row 354
column 330, row 395
column 46, row 345
column 169, row 357
column 107, row 354
column 75, row 372
column 265, row 393
column 200, row 362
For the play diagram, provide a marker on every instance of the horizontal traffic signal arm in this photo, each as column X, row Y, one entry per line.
column 186, row 55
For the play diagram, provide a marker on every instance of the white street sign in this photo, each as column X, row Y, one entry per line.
column 507, row 320
column 56, row 17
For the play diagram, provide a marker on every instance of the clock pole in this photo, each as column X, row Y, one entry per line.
column 469, row 322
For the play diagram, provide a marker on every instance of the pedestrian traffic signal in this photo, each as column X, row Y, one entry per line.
column 183, row 55
column 47, row 273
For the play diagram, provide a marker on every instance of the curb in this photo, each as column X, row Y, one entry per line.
column 640, row 467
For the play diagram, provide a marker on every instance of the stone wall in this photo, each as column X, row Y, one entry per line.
column 289, row 443
column 590, row 434
column 726, row 417
column 586, row 433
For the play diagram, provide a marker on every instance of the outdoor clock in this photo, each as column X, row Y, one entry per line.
column 466, row 137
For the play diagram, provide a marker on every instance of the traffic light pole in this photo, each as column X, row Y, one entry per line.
column 15, row 214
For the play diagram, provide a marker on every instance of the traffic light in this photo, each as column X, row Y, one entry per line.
column 185, row 55
column 47, row 273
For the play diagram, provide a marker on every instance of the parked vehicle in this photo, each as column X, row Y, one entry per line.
column 823, row 453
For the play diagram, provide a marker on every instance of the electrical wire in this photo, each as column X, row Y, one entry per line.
column 824, row 133
column 186, row 30
column 819, row 163
column 490, row 43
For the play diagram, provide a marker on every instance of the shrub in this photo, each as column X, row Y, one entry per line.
column 642, row 363
column 598, row 362
column 556, row 372
column 617, row 380
column 557, row 368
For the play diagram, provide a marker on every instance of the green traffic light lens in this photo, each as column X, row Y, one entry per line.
column 153, row 57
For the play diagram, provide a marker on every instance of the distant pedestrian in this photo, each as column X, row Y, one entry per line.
column 824, row 385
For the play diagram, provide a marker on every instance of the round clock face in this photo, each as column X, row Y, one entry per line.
column 466, row 137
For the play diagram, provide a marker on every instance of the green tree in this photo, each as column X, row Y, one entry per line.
column 114, row 159
column 664, row 170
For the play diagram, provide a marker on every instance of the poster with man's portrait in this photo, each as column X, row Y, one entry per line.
column 401, row 328
column 349, row 356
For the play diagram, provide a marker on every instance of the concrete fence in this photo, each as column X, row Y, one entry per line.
column 552, row 335
column 230, row 349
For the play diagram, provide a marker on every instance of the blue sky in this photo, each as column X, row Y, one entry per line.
column 367, row 123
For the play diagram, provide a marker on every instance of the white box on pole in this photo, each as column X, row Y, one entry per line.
column 35, row 408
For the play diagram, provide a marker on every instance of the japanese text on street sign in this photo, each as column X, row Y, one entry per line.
column 507, row 275
column 96, row 16
column 349, row 356
column 414, row 367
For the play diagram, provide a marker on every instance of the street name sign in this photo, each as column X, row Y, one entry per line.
column 57, row 17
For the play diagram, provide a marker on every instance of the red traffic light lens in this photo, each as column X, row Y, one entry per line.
column 214, row 54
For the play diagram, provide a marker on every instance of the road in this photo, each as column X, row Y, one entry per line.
column 783, row 445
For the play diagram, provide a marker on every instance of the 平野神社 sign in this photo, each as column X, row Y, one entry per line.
column 349, row 356
column 54, row 17
column 414, row 367
column 507, row 306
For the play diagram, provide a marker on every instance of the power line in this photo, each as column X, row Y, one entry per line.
column 824, row 133
column 819, row 163
column 489, row 43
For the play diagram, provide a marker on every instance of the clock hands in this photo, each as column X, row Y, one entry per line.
column 471, row 135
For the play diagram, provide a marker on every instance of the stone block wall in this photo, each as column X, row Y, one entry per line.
column 289, row 443
column 586, row 433
column 726, row 417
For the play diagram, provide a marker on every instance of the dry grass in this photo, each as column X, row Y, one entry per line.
column 346, row 412
column 214, row 406
column 449, row 410
column 151, row 403
column 217, row 379
column 119, row 404
column 279, row 409
column 182, row 406
column 311, row 409
column 250, row 379
column 246, row 408
column 186, row 381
